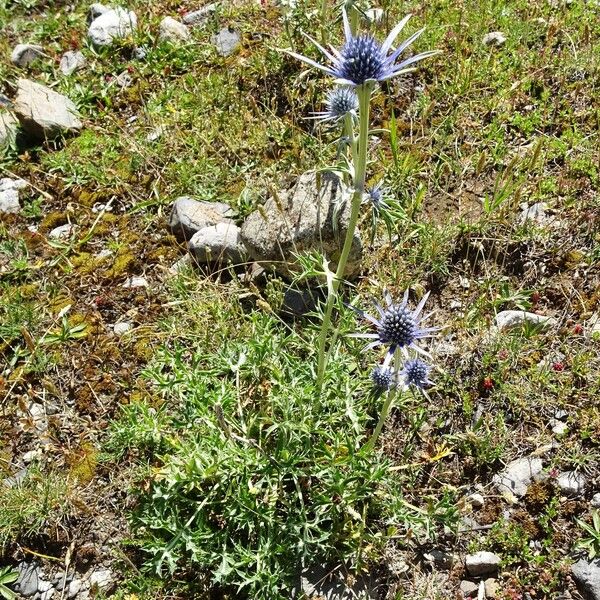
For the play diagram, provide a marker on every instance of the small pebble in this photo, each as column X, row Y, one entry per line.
column 476, row 500
column 135, row 282
column 122, row 328
column 571, row 483
column 494, row 38
column 558, row 427
column 31, row 456
column 482, row 563
column 469, row 589
column 62, row 232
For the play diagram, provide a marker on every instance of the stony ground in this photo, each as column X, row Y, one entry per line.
column 494, row 169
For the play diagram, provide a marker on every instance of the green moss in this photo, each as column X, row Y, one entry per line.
column 124, row 264
column 52, row 220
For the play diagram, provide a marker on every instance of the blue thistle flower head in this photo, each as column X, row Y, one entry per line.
column 382, row 377
column 340, row 101
column 416, row 373
column 375, row 196
column 398, row 327
column 363, row 59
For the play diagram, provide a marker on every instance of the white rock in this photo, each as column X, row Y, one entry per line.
column 508, row 319
column 135, row 282
column 43, row 113
column 469, row 589
column 587, row 576
column 494, row 38
column 31, row 456
column 227, row 41
column 62, row 232
column 492, row 589
column 113, row 24
column 24, row 54
column 536, row 212
column 96, row 10
column 476, row 500
column 558, row 427
column 188, row 216
column 218, row 243
column 200, row 16
column 140, row 53
column 122, row 328
column 375, row 15
column 9, row 201
column 102, row 578
column 44, row 586
column 482, row 563
column 596, row 500
column 571, row 483
column 300, row 219
column 156, row 134
column 518, row 475
column 104, row 254
column 74, row 588
column 6, row 183
column 72, row 61
column 172, row 30
column 124, row 80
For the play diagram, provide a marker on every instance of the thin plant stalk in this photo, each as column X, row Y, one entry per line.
column 385, row 410
column 360, row 171
column 354, row 19
column 323, row 16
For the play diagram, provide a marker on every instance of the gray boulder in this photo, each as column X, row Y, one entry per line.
column 571, row 483
column 172, row 30
column 114, row 24
column 29, row 576
column 482, row 563
column 218, row 243
column 44, row 113
column 24, row 54
column 200, row 16
column 518, row 475
column 189, row 216
column 302, row 220
column 227, row 41
column 509, row 319
column 587, row 576
column 72, row 61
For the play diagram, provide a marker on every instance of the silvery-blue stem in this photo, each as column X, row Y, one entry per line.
column 385, row 410
column 360, row 171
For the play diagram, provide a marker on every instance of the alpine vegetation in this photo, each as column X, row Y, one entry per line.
column 360, row 65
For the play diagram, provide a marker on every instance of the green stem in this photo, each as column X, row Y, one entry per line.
column 354, row 20
column 360, row 171
column 385, row 410
column 324, row 30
